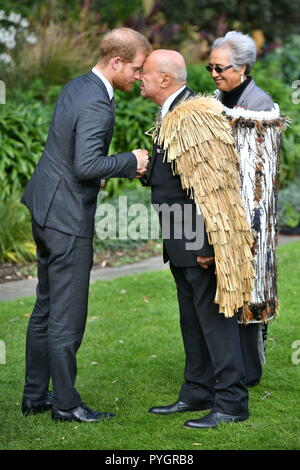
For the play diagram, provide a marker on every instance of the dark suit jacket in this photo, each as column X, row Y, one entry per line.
column 166, row 189
column 62, row 192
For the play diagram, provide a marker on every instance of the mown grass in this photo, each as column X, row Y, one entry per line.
column 132, row 358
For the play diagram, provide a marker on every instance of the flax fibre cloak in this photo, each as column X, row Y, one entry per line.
column 201, row 149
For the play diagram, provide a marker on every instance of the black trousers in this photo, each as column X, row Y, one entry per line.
column 252, row 350
column 214, row 369
column 57, row 323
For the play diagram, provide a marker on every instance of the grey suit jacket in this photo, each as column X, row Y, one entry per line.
column 62, row 192
column 253, row 98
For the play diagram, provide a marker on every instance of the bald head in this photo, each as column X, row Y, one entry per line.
column 170, row 62
column 164, row 72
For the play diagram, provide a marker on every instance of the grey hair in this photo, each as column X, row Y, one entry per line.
column 178, row 73
column 242, row 48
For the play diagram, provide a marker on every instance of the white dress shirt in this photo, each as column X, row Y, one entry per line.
column 165, row 107
column 107, row 84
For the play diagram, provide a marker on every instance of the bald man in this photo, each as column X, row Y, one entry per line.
column 214, row 372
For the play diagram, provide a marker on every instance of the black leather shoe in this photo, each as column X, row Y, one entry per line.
column 81, row 413
column 213, row 419
column 179, row 407
column 31, row 408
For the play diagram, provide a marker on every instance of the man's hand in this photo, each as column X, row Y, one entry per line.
column 140, row 173
column 205, row 261
column 142, row 159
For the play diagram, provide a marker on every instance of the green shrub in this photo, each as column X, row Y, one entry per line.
column 16, row 243
column 283, row 62
column 136, row 194
column 134, row 116
column 38, row 92
column 199, row 80
column 289, row 205
column 23, row 132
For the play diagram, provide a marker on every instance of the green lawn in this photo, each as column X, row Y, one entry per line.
column 132, row 358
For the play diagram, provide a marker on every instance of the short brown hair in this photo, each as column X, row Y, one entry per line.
column 124, row 43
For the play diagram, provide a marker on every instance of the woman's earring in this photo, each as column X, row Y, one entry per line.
column 242, row 78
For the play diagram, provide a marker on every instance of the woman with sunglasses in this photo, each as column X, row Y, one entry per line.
column 231, row 60
column 246, row 106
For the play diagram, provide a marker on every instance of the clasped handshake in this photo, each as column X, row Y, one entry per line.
column 142, row 162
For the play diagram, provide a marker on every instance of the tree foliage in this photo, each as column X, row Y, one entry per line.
column 217, row 16
column 211, row 17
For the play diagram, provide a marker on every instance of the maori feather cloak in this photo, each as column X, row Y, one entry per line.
column 258, row 137
column 198, row 144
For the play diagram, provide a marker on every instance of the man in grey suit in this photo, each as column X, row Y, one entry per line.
column 62, row 197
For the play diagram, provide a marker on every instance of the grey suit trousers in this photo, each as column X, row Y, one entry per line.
column 57, row 323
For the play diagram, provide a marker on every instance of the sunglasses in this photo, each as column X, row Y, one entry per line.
column 217, row 68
